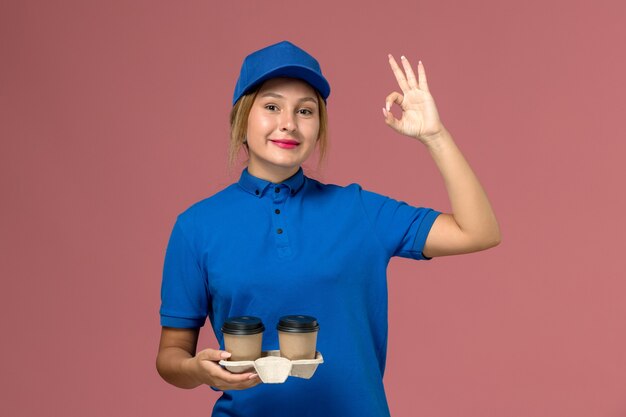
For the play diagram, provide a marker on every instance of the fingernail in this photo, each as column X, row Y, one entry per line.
column 389, row 56
column 388, row 106
column 384, row 112
column 419, row 62
column 402, row 57
column 253, row 376
column 225, row 355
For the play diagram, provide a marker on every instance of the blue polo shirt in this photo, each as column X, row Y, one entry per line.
column 298, row 247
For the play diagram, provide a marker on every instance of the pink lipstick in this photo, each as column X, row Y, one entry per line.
column 285, row 144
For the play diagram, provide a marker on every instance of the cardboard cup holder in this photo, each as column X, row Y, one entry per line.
column 274, row 369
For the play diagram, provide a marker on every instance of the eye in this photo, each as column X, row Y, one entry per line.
column 271, row 107
column 305, row 112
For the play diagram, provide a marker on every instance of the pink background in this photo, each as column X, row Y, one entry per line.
column 114, row 120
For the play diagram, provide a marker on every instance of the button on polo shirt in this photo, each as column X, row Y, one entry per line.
column 277, row 196
column 297, row 247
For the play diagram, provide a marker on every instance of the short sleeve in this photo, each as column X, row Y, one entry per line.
column 184, row 295
column 402, row 229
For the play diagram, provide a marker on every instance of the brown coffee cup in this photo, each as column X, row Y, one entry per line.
column 297, row 337
column 243, row 337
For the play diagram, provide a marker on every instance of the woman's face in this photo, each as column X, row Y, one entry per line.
column 283, row 127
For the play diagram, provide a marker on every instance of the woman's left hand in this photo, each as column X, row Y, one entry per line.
column 420, row 118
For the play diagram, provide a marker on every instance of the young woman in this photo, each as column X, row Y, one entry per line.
column 278, row 242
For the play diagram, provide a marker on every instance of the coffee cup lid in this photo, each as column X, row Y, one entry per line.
column 298, row 324
column 243, row 325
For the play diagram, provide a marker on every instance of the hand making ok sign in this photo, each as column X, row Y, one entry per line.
column 420, row 118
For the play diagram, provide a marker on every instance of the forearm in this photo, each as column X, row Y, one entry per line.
column 174, row 366
column 471, row 209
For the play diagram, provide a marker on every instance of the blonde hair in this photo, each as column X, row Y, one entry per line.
column 239, row 127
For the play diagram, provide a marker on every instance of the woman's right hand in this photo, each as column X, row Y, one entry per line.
column 205, row 369
column 179, row 365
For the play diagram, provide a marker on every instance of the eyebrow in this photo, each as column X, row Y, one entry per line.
column 276, row 95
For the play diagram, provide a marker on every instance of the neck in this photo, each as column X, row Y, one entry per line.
column 275, row 175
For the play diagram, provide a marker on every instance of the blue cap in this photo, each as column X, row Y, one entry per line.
column 283, row 59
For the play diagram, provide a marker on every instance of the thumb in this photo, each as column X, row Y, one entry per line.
column 391, row 120
column 214, row 355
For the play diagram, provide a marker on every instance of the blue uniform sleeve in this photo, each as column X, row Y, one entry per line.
column 402, row 229
column 184, row 295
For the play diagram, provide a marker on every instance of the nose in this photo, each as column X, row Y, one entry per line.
column 287, row 122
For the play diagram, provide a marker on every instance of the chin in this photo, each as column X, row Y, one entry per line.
column 287, row 165
column 286, row 162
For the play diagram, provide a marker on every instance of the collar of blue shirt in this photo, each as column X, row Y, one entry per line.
column 257, row 186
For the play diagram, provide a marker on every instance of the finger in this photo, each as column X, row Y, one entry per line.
column 253, row 381
column 394, row 97
column 243, row 385
column 410, row 75
column 221, row 375
column 250, row 379
column 239, row 379
column 398, row 73
column 211, row 366
column 421, row 73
